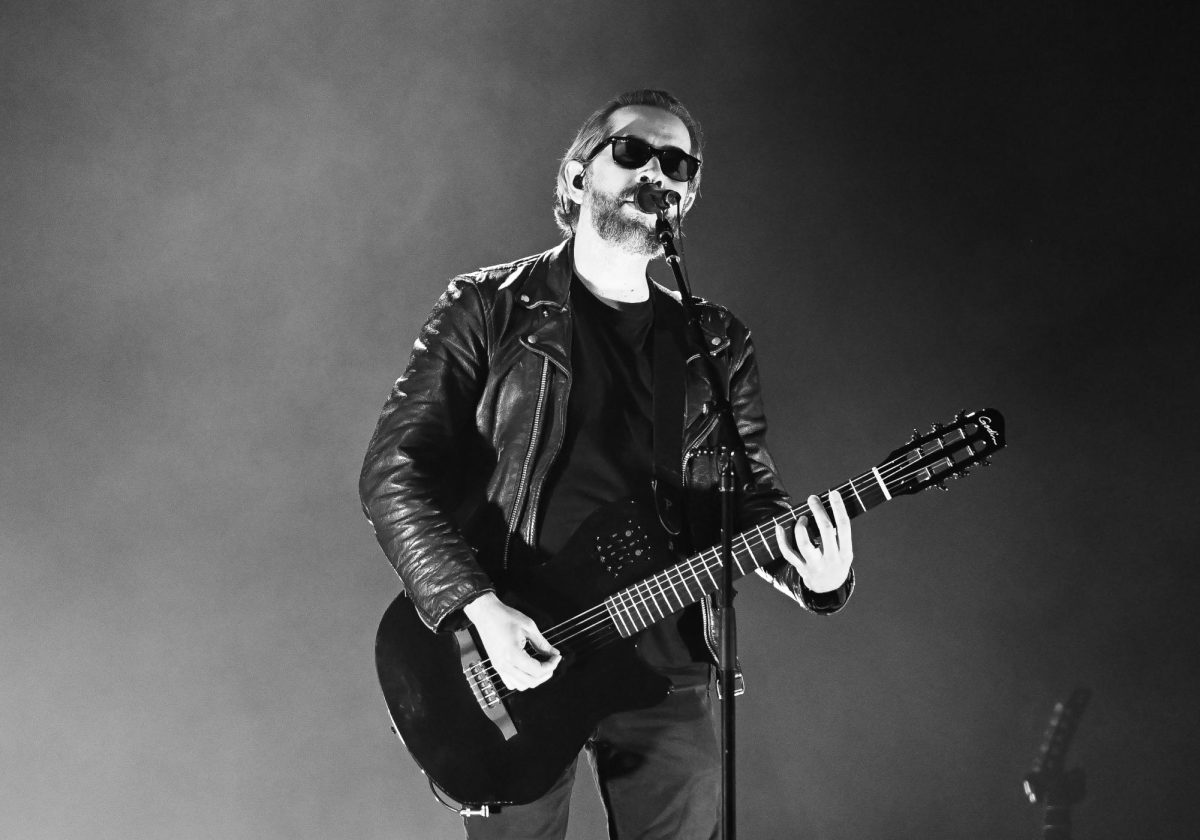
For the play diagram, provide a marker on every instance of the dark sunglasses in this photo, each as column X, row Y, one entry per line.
column 634, row 153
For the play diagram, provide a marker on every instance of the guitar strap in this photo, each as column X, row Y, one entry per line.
column 670, row 355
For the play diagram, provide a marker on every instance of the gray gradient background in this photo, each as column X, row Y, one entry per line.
column 222, row 223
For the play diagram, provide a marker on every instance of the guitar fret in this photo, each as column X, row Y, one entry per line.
column 643, row 608
column 635, row 602
column 634, row 612
column 673, row 589
column 688, row 574
column 649, row 600
column 750, row 554
column 629, row 609
column 630, row 615
column 733, row 553
column 762, row 539
column 637, row 606
column 663, row 581
column 861, row 503
column 684, row 580
column 766, row 538
column 627, row 621
column 882, row 486
column 615, row 612
column 654, row 601
column 710, row 574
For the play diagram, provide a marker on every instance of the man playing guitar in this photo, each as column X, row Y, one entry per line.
column 529, row 402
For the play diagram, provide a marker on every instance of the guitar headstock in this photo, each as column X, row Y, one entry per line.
column 947, row 451
column 1047, row 775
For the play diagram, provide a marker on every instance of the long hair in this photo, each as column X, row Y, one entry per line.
column 595, row 129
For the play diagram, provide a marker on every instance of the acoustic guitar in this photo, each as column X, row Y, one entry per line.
column 618, row 574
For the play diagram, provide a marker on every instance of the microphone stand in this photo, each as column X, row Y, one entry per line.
column 727, row 488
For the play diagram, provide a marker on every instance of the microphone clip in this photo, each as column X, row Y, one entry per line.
column 652, row 199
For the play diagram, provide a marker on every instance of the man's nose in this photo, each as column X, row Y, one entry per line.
column 651, row 171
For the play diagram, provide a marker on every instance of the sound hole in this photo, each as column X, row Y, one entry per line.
column 622, row 548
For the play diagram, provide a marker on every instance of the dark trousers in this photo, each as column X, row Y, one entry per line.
column 658, row 771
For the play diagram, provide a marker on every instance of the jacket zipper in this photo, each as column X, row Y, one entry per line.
column 533, row 439
column 535, row 490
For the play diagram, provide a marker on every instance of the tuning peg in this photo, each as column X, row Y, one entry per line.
column 916, row 435
column 936, row 427
column 941, row 485
column 987, row 462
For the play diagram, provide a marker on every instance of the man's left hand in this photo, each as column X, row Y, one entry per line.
column 824, row 562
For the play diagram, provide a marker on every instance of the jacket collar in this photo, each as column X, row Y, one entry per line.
column 548, row 283
column 548, row 280
column 716, row 336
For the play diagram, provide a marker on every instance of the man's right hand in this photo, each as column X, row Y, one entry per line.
column 505, row 632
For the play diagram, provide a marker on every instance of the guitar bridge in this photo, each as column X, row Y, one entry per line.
column 483, row 684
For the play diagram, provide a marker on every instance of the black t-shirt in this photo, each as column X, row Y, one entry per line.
column 607, row 451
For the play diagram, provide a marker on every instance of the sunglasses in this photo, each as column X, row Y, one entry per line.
column 634, row 153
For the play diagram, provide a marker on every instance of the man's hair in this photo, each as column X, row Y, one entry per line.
column 595, row 129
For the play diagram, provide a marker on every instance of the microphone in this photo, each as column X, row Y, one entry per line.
column 653, row 200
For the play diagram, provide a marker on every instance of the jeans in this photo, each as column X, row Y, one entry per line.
column 658, row 771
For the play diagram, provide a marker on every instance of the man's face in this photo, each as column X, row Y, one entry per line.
column 610, row 189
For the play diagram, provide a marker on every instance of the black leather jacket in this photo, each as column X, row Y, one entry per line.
column 452, row 476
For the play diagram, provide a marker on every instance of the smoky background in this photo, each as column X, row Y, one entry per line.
column 222, row 224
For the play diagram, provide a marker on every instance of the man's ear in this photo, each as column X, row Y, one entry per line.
column 573, row 175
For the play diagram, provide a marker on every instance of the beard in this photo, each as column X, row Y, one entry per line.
column 634, row 235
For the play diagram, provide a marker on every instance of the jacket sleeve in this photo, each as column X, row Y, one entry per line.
column 407, row 484
column 766, row 497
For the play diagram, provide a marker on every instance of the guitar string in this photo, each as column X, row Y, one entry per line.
column 595, row 623
column 656, row 587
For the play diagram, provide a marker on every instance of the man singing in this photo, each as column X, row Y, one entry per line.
column 528, row 403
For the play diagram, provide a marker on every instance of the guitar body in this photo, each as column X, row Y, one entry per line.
column 439, row 717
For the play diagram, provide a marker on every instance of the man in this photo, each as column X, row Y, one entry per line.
column 526, row 405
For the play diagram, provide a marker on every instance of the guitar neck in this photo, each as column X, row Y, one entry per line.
column 947, row 451
column 616, row 538
column 637, row 607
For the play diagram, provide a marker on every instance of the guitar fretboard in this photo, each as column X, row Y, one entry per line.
column 946, row 451
column 651, row 600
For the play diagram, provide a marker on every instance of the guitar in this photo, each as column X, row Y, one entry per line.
column 618, row 574
column 1057, row 789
